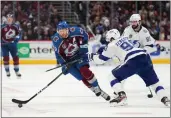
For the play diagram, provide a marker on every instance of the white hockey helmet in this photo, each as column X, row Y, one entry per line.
column 135, row 20
column 112, row 35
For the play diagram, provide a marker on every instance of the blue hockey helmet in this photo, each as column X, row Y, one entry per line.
column 62, row 29
column 62, row 25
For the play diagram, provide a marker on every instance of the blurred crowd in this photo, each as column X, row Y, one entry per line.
column 101, row 16
column 155, row 16
column 26, row 15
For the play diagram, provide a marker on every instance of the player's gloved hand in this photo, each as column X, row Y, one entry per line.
column 161, row 48
column 65, row 70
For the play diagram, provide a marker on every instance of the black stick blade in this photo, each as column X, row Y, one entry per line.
column 19, row 101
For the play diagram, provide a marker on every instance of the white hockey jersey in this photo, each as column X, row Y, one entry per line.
column 141, row 39
column 122, row 49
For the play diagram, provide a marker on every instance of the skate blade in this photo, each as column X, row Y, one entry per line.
column 122, row 103
column 167, row 104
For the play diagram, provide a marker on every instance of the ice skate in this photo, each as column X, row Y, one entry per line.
column 97, row 91
column 165, row 101
column 8, row 74
column 101, row 93
column 18, row 74
column 120, row 100
column 105, row 95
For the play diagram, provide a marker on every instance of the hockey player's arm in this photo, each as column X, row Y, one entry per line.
column 83, row 42
column 149, row 43
column 102, row 56
column 19, row 36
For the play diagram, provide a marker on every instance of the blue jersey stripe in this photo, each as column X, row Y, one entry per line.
column 133, row 52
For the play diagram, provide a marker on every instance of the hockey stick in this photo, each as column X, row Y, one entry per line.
column 63, row 65
column 151, row 94
column 20, row 102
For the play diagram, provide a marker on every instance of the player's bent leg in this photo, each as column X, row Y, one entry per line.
column 150, row 78
column 76, row 73
column 16, row 65
column 121, row 73
column 96, row 91
column 92, row 80
column 6, row 65
column 88, row 75
column 120, row 98
column 161, row 93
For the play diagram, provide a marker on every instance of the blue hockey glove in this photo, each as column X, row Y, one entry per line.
column 65, row 70
column 161, row 48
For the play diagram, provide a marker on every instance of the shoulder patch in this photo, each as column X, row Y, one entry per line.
column 72, row 29
column 81, row 30
column 144, row 30
column 148, row 39
column 55, row 38
column 130, row 36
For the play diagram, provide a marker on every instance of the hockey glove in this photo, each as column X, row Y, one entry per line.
column 88, row 57
column 65, row 70
column 161, row 48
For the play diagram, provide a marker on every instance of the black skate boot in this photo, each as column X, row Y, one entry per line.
column 97, row 90
column 18, row 74
column 165, row 101
column 120, row 100
column 105, row 95
column 8, row 74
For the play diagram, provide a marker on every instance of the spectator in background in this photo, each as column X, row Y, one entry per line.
column 117, row 16
column 81, row 10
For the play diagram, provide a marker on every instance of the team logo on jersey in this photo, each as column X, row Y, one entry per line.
column 148, row 39
column 71, row 49
column 64, row 46
column 130, row 36
column 72, row 29
column 55, row 38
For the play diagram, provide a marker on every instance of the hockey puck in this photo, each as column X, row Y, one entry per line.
column 149, row 96
column 20, row 105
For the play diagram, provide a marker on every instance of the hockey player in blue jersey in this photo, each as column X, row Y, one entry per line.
column 70, row 43
column 10, row 35
column 133, row 61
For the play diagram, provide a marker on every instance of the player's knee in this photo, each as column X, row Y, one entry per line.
column 86, row 73
column 117, row 75
column 16, row 60
column 86, row 83
column 151, row 81
column 157, row 87
column 6, row 60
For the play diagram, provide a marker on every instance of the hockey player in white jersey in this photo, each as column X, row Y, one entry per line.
column 134, row 61
column 140, row 36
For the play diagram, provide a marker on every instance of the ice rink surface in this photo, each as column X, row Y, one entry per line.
column 67, row 97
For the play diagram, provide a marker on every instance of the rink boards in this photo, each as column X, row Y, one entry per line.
column 41, row 52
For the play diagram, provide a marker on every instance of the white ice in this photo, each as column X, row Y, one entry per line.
column 67, row 97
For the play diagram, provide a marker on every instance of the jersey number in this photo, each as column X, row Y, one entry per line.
column 126, row 46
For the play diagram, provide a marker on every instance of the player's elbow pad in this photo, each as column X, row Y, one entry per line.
column 150, row 49
column 104, row 58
